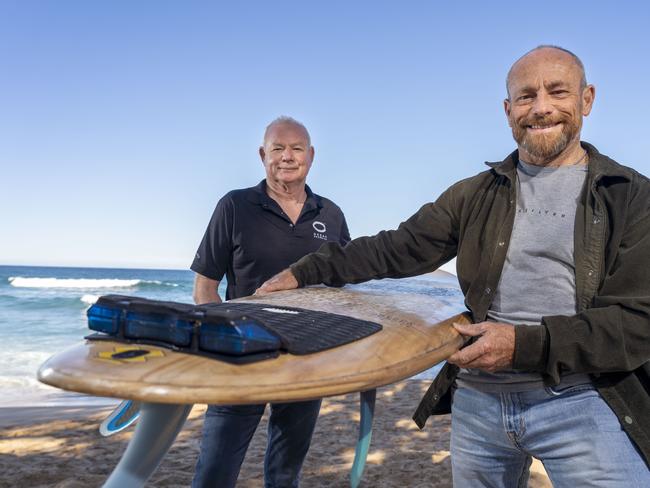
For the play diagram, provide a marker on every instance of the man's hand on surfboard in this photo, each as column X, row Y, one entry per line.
column 284, row 280
column 493, row 350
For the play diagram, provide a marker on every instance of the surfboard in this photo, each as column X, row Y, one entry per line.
column 417, row 333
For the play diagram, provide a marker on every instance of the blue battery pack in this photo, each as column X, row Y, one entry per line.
column 180, row 326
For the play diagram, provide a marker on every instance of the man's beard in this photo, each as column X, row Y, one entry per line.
column 544, row 147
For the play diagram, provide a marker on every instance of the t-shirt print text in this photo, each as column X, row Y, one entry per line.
column 545, row 213
column 320, row 229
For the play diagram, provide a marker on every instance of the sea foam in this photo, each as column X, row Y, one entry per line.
column 22, row 282
column 89, row 299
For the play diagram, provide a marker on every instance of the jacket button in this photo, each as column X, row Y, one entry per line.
column 596, row 220
column 488, row 291
column 435, row 397
column 502, row 243
column 628, row 419
column 591, row 272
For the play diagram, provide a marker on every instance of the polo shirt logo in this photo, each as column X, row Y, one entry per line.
column 320, row 229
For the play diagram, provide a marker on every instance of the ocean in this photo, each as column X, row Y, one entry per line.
column 43, row 311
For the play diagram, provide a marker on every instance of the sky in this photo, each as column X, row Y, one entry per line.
column 123, row 122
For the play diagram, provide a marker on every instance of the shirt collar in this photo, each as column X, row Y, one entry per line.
column 259, row 196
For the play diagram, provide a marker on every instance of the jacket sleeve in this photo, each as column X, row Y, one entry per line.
column 613, row 335
column 422, row 243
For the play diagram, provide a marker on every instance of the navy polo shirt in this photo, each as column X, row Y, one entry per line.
column 249, row 238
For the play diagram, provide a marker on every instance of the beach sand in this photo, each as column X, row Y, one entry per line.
column 61, row 447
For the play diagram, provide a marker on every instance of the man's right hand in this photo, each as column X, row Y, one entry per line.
column 284, row 280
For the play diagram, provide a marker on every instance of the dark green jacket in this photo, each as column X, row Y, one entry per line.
column 609, row 337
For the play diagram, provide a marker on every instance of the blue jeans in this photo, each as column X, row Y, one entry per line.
column 227, row 431
column 573, row 432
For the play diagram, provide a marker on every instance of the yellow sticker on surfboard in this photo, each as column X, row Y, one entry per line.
column 128, row 354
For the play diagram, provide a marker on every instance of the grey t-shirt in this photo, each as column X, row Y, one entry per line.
column 538, row 276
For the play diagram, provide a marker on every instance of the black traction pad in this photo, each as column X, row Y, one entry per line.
column 303, row 331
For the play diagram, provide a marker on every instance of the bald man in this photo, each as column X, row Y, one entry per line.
column 254, row 233
column 553, row 248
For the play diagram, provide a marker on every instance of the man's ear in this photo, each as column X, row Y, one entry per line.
column 262, row 154
column 588, row 97
column 506, row 109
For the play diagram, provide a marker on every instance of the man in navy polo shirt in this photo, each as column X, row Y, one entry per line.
column 254, row 233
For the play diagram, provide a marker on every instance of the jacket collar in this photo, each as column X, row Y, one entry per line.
column 599, row 165
column 507, row 167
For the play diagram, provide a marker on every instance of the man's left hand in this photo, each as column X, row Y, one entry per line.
column 493, row 351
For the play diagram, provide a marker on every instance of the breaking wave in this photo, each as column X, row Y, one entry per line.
column 24, row 282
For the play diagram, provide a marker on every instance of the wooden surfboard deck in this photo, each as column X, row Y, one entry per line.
column 416, row 335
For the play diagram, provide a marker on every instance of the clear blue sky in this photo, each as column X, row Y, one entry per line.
column 123, row 122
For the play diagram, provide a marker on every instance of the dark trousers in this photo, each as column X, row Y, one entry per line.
column 227, row 431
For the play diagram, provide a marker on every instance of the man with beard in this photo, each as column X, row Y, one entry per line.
column 552, row 246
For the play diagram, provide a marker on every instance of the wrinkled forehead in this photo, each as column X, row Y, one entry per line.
column 286, row 133
column 544, row 66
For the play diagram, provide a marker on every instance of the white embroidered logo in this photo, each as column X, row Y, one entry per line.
column 319, row 227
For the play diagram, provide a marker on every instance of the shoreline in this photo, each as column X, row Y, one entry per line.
column 61, row 446
column 17, row 399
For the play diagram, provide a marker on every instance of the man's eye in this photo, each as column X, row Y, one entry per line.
column 524, row 98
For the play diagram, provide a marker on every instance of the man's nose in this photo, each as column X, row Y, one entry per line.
column 542, row 104
column 287, row 154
